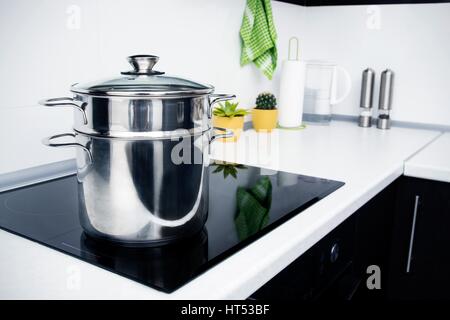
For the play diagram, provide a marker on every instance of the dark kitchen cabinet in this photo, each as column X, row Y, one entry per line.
column 335, row 268
column 295, row 282
column 373, row 241
column 312, row 3
column 404, row 231
column 420, row 252
column 324, row 268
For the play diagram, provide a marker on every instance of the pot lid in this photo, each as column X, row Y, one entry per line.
column 143, row 81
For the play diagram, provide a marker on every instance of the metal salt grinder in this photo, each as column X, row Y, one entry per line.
column 365, row 117
column 385, row 101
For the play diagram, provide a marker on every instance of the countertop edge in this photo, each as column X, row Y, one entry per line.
column 432, row 162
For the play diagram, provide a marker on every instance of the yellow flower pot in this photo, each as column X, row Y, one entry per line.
column 264, row 120
column 235, row 124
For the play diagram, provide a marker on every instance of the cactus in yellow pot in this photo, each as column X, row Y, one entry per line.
column 265, row 114
column 228, row 116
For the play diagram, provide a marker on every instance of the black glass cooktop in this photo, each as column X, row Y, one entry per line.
column 244, row 204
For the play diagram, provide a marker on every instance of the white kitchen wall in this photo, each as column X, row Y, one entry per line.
column 412, row 40
column 49, row 44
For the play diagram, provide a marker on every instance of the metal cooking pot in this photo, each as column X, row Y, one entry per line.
column 143, row 142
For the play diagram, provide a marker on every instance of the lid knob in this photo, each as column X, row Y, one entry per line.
column 143, row 63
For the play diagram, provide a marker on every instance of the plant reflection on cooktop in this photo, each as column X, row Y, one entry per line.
column 228, row 168
column 245, row 203
column 253, row 207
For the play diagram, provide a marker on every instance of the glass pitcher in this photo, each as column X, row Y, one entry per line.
column 321, row 90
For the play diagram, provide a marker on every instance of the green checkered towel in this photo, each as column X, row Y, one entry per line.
column 259, row 37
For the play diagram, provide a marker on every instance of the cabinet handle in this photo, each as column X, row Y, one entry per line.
column 413, row 229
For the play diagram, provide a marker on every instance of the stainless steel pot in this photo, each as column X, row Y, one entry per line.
column 143, row 142
column 142, row 103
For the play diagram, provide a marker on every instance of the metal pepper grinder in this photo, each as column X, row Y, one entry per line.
column 385, row 101
column 365, row 116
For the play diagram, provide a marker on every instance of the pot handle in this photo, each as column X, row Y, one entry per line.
column 227, row 134
column 48, row 142
column 64, row 102
column 216, row 98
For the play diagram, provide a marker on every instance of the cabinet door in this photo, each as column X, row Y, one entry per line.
column 296, row 282
column 420, row 256
column 315, row 272
column 373, row 241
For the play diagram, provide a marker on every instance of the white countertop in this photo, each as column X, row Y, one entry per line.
column 367, row 160
column 432, row 162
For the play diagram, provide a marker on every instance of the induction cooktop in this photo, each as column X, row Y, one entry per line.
column 48, row 214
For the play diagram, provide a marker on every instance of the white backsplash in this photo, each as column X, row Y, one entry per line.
column 412, row 40
column 50, row 44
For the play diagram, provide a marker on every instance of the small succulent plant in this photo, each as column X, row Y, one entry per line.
column 229, row 110
column 266, row 101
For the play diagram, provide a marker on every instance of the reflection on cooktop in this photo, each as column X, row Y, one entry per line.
column 244, row 203
column 161, row 267
column 38, row 206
